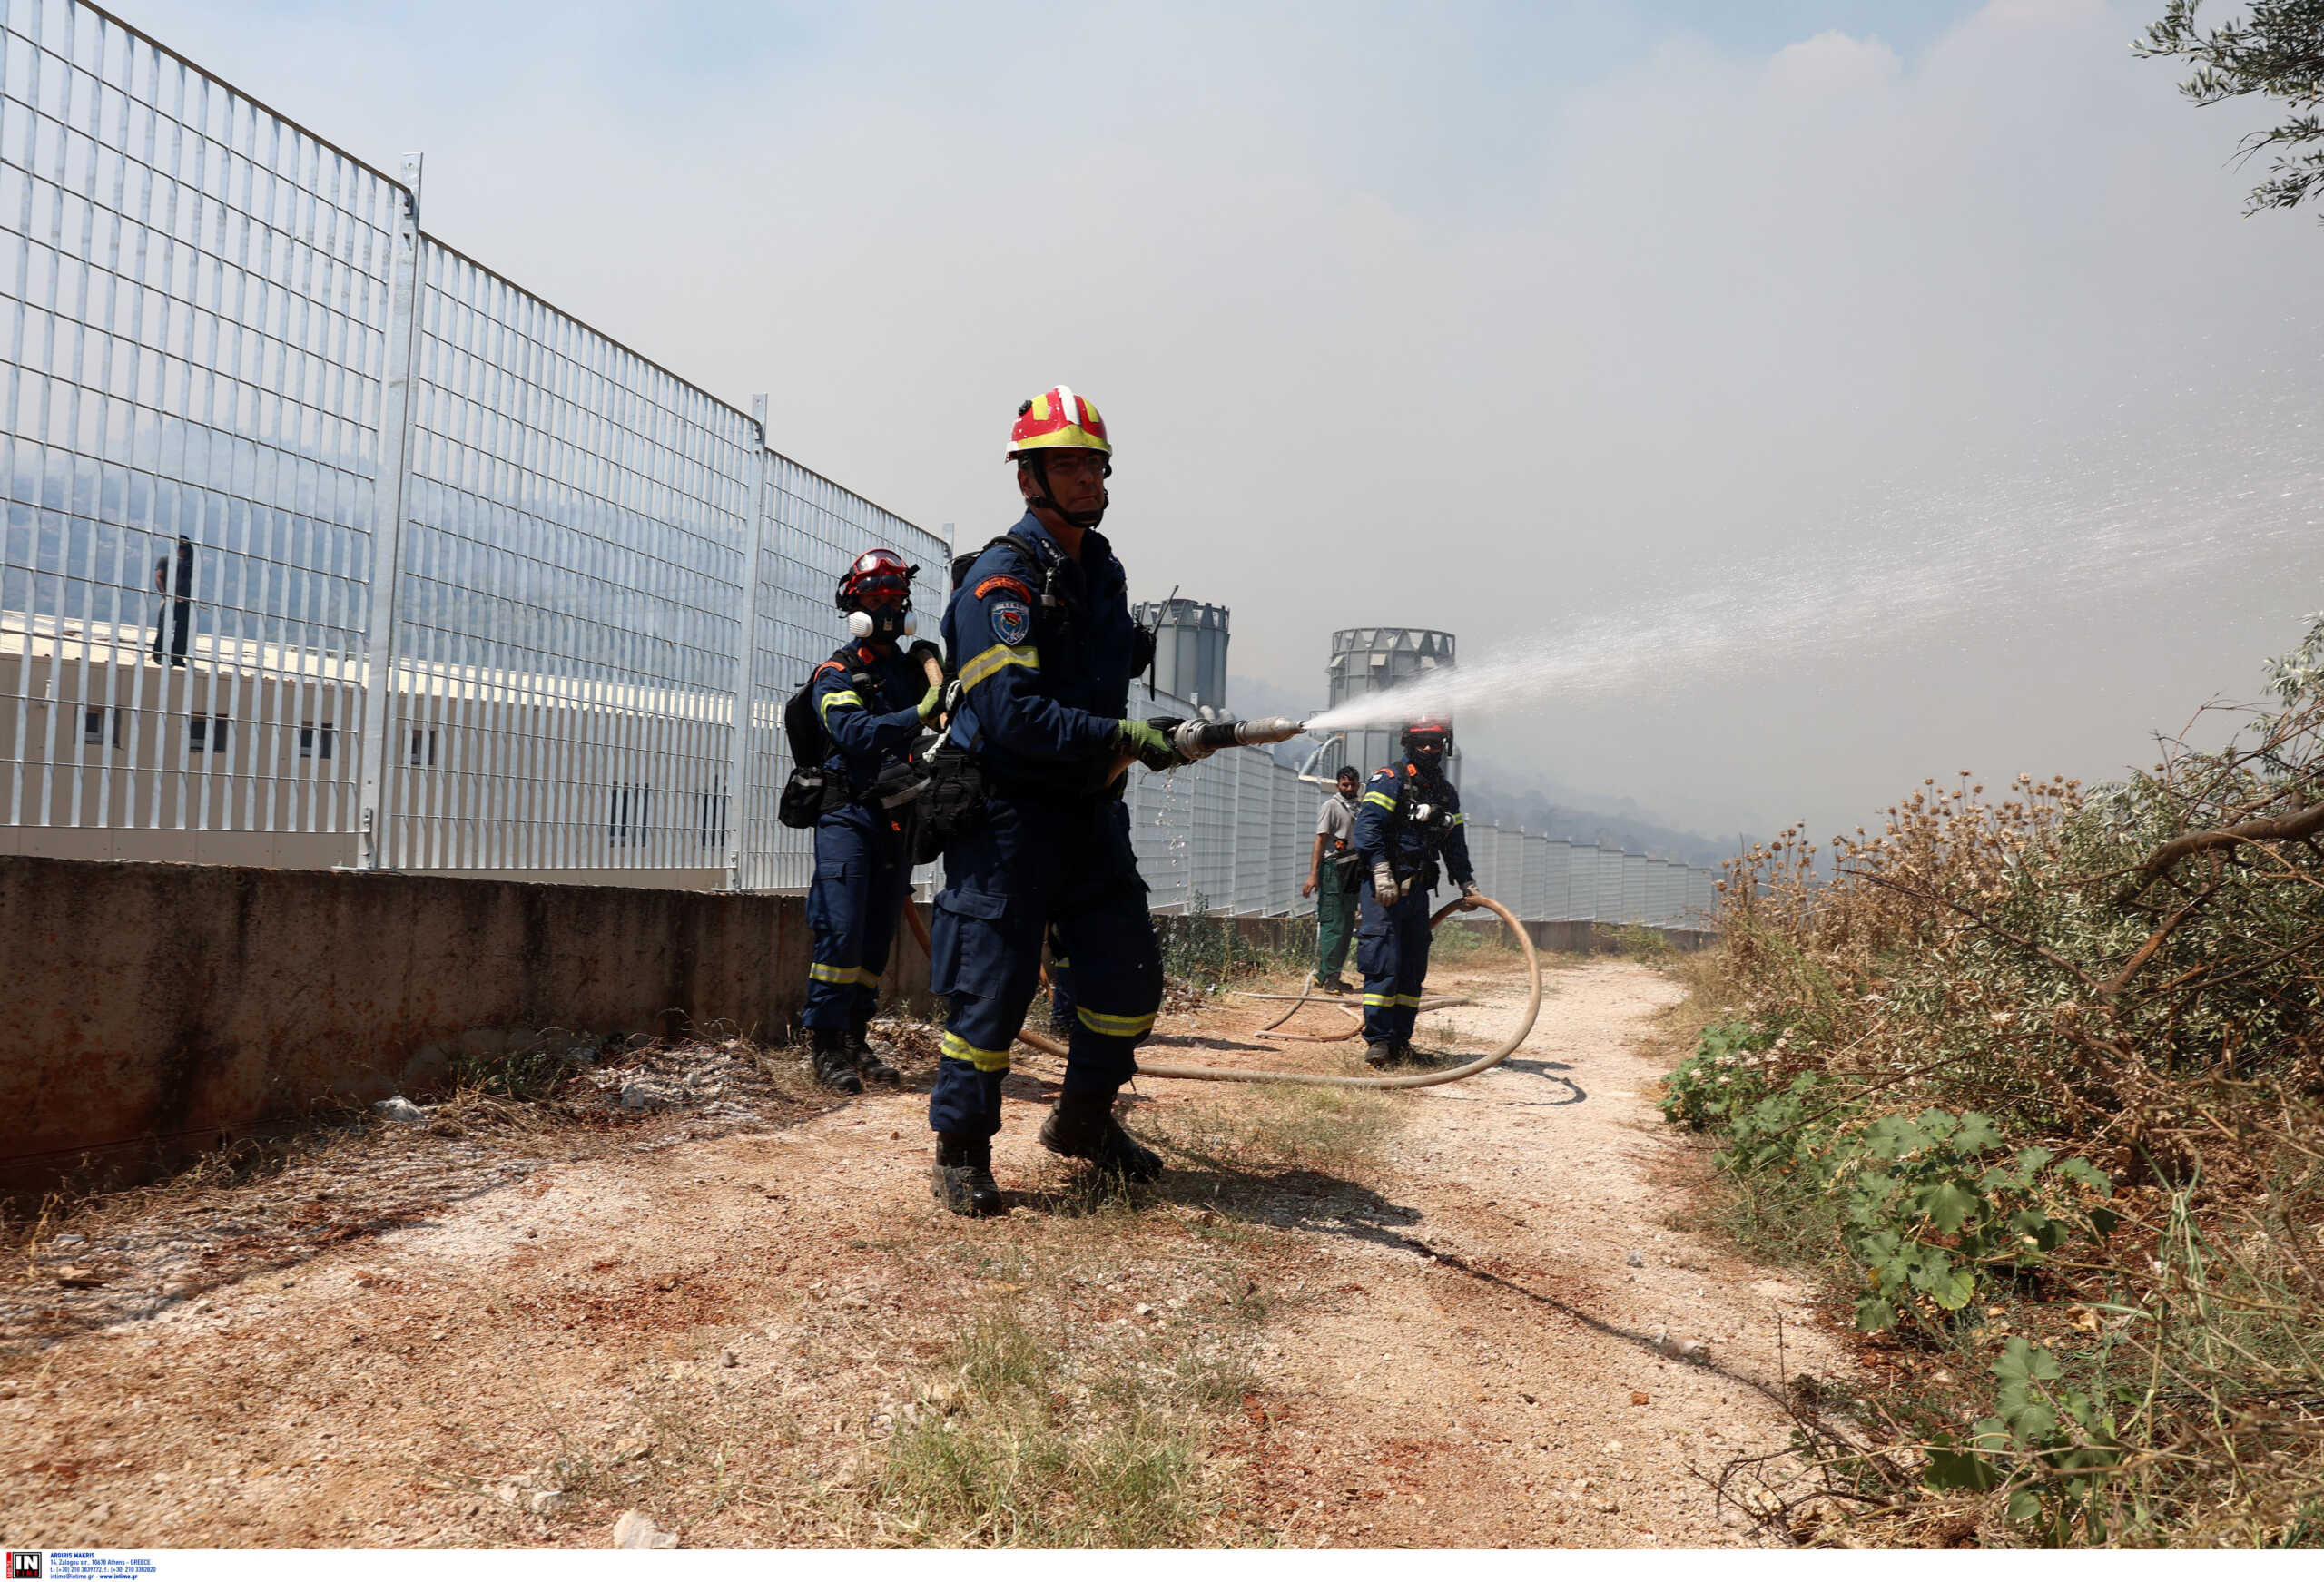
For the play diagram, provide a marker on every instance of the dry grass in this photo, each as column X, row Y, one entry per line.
column 1089, row 1394
column 1264, row 1127
column 1027, row 1439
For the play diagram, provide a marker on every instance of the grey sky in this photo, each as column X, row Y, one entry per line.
column 1898, row 387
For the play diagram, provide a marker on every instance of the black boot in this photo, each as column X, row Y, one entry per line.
column 833, row 1066
column 1082, row 1126
column 963, row 1179
column 867, row 1059
column 1383, row 1056
column 1409, row 1056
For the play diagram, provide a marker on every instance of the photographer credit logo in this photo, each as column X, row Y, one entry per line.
column 24, row 1565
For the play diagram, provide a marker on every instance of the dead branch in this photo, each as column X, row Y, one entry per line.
column 2145, row 953
column 2297, row 826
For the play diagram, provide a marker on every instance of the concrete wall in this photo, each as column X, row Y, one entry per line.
column 147, row 1007
column 147, row 1003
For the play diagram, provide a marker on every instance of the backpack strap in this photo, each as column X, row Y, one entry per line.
column 963, row 564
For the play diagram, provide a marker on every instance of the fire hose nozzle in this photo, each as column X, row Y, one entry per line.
column 1195, row 738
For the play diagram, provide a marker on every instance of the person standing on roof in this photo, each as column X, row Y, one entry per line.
column 1407, row 822
column 873, row 701
column 1333, row 878
column 1041, row 633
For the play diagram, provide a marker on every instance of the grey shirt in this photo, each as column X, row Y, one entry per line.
column 1335, row 822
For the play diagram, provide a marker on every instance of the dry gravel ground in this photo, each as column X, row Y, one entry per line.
column 1440, row 1338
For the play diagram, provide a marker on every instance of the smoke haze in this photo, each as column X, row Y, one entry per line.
column 1800, row 398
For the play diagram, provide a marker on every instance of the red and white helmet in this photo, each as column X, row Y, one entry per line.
column 876, row 593
column 1058, row 419
column 875, row 573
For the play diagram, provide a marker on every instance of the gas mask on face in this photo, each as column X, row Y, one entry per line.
column 883, row 625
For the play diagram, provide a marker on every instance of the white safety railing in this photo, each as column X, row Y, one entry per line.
column 199, row 294
column 326, row 545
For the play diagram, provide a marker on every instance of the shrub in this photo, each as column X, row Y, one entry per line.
column 2076, row 1034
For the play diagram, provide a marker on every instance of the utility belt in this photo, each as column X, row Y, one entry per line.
column 813, row 793
column 1422, row 881
column 955, row 790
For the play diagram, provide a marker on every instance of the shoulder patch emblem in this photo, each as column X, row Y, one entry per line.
column 1011, row 582
column 1012, row 621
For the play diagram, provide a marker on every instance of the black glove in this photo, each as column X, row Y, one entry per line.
column 921, row 651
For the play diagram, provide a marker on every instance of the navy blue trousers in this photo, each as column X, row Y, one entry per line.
column 1034, row 865
column 1060, row 987
column 1392, row 953
column 852, row 907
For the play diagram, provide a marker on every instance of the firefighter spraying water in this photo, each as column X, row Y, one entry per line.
column 1023, row 799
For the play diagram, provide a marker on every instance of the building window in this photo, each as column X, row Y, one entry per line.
column 714, row 819
column 206, row 733
column 423, row 749
column 626, row 823
column 93, row 727
column 315, row 740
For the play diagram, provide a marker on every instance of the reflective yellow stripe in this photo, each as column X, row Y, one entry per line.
column 1059, row 961
column 1459, row 819
column 824, row 972
column 1378, row 801
column 995, row 659
column 1379, row 1000
column 825, row 707
column 1408, row 1001
column 959, row 1048
column 1114, row 1026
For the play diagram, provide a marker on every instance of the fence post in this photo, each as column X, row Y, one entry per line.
column 389, row 497
column 739, row 800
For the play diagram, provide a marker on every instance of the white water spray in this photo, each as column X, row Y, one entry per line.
column 2006, row 555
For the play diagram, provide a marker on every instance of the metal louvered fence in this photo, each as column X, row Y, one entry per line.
column 325, row 546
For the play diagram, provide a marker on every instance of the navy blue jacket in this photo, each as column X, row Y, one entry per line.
column 1408, row 844
column 868, row 731
column 1043, row 646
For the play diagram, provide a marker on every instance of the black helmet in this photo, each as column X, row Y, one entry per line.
column 1430, row 731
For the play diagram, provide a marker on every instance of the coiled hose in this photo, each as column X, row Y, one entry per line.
column 1317, row 1079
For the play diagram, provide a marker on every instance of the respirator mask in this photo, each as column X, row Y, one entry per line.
column 883, row 623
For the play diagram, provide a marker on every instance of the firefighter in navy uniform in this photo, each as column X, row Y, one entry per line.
column 1408, row 822
column 873, row 700
column 1042, row 641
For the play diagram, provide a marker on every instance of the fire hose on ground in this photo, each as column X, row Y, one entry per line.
column 1199, row 738
column 1318, row 1079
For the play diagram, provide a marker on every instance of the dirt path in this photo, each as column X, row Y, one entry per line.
column 1500, row 1360
column 1447, row 1343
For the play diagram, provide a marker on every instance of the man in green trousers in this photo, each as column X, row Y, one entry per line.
column 1333, row 879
